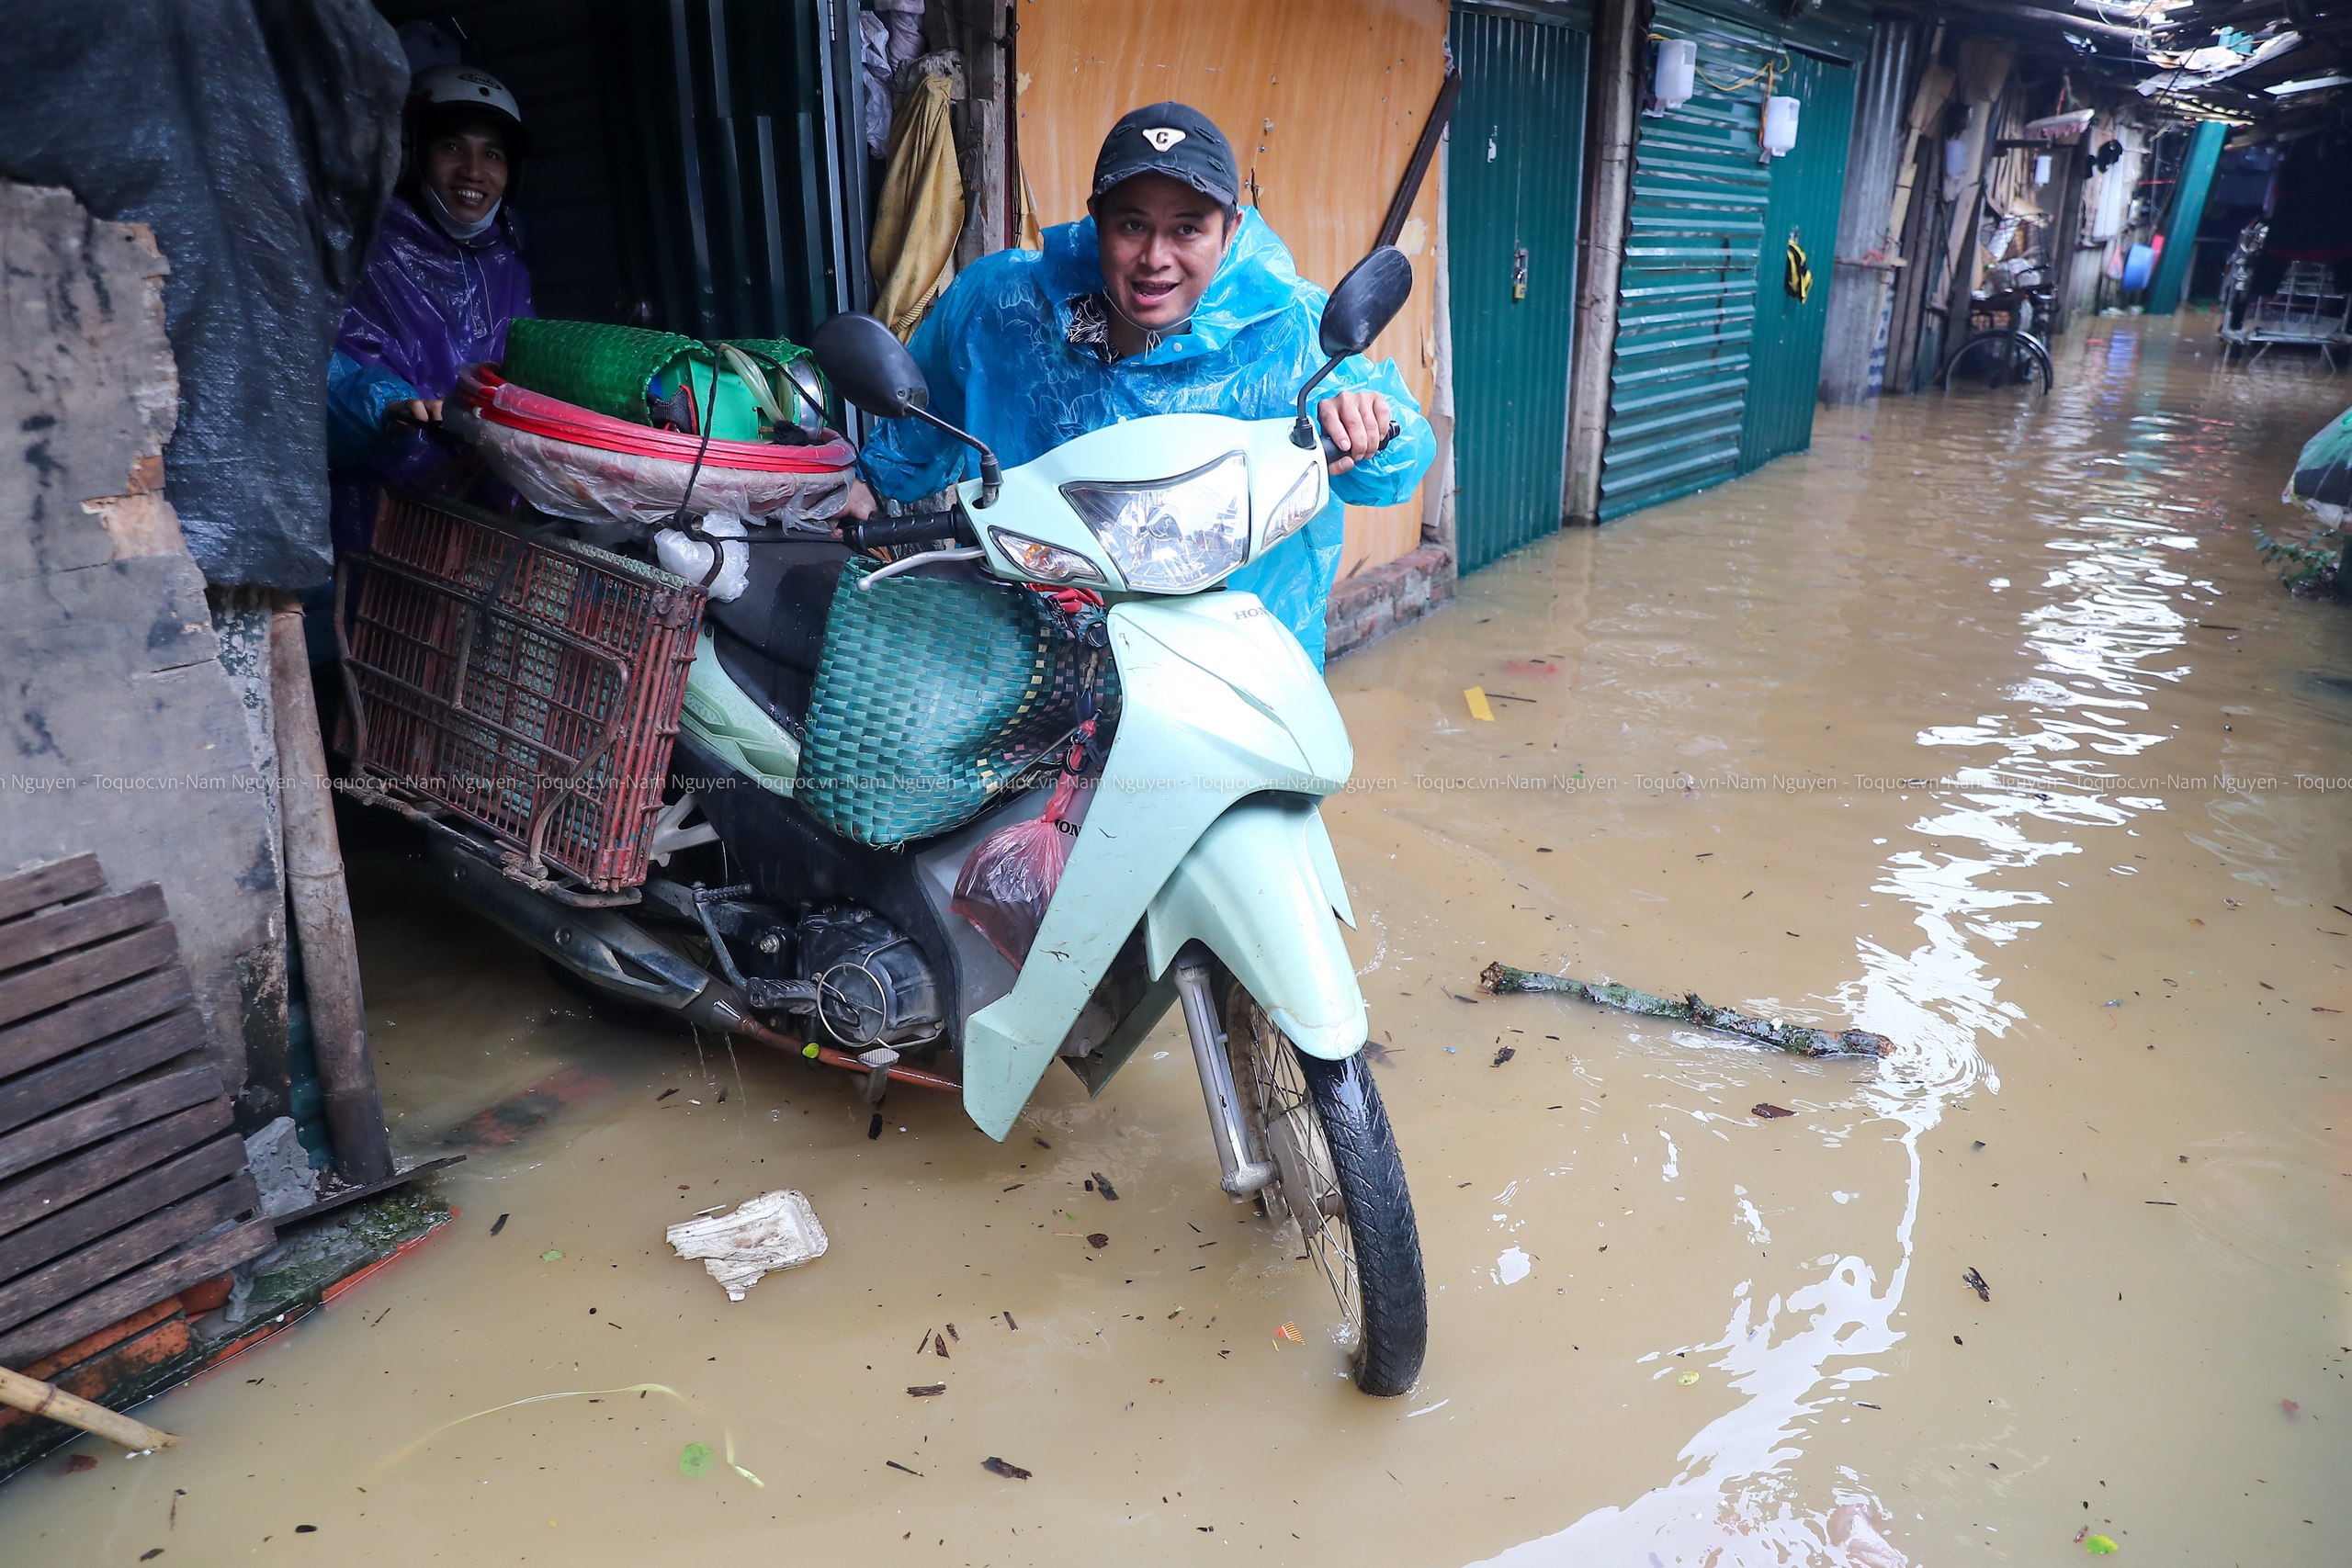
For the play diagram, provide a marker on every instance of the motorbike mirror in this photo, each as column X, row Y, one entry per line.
column 872, row 368
column 1366, row 300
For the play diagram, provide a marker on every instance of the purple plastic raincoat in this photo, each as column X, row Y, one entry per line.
column 427, row 306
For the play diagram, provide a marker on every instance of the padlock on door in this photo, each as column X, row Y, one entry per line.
column 1519, row 274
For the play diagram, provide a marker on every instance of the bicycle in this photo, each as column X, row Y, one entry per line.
column 2004, row 353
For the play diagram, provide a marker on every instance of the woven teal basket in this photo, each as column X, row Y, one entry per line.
column 932, row 698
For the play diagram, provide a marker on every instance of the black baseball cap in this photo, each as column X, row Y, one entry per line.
column 1169, row 139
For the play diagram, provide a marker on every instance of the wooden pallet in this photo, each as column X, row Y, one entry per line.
column 121, row 1179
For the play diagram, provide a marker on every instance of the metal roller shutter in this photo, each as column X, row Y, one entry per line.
column 1687, row 297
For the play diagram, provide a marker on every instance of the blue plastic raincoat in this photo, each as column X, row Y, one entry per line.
column 996, row 350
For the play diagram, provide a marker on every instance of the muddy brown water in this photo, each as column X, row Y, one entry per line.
column 1981, row 726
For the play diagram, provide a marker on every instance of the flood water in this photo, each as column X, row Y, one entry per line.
column 1980, row 725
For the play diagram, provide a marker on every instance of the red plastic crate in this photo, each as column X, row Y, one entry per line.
column 532, row 686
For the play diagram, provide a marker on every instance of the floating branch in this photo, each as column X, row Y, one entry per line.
column 1501, row 979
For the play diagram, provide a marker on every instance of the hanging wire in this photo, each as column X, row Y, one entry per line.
column 1763, row 74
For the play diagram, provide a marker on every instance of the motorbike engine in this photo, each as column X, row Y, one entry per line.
column 874, row 986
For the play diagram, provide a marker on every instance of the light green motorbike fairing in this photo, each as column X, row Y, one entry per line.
column 1219, row 703
column 1204, row 825
column 722, row 718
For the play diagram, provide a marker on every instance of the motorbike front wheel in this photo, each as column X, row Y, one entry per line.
column 1340, row 1177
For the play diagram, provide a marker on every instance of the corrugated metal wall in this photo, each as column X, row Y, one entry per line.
column 1808, row 189
column 728, row 170
column 1827, row 29
column 1853, row 341
column 1514, row 175
column 1687, row 298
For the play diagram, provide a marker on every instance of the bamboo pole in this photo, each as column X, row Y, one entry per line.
column 1500, row 979
column 45, row 1399
column 322, row 906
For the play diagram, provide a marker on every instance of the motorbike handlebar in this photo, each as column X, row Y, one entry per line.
column 1331, row 453
column 917, row 530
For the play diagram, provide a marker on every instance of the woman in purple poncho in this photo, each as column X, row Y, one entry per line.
column 441, row 283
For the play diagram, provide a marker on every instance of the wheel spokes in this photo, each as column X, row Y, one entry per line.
column 1286, row 1110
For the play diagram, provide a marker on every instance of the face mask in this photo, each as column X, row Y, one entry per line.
column 450, row 223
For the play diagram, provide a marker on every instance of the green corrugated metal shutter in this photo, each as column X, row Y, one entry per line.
column 1829, row 29
column 1513, row 176
column 728, row 213
column 1808, row 187
column 1687, row 297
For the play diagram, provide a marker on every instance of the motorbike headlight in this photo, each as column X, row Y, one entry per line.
column 1292, row 512
column 1044, row 562
column 1171, row 536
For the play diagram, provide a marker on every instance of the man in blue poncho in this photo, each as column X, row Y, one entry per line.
column 1169, row 297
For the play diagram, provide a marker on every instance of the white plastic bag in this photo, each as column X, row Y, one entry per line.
column 687, row 557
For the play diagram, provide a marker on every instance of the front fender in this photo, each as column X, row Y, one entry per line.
column 1260, row 889
column 1219, row 704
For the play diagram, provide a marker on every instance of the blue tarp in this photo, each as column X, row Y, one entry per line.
column 996, row 352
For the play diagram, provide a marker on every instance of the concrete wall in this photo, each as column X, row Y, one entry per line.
column 127, row 725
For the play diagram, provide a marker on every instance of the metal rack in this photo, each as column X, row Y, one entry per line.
column 2306, row 307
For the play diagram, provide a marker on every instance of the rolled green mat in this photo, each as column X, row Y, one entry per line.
column 609, row 369
column 595, row 365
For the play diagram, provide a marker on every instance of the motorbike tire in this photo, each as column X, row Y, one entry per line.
column 1355, row 1215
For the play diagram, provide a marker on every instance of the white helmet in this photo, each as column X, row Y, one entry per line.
column 438, row 85
column 442, row 96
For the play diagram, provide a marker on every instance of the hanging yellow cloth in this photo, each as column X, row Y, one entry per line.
column 1800, row 272
column 921, row 209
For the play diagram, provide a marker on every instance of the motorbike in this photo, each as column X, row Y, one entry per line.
column 1201, row 879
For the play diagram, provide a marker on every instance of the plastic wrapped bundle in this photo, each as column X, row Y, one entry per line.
column 592, row 468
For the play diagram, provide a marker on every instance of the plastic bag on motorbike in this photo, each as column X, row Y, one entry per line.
column 572, row 462
column 1008, row 880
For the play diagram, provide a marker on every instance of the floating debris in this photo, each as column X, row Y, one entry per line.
column 1501, row 979
column 1000, row 1467
column 776, row 1230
